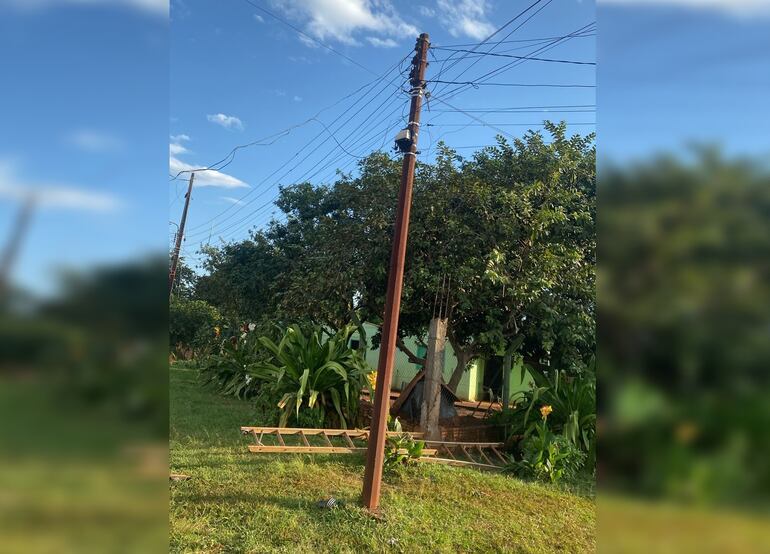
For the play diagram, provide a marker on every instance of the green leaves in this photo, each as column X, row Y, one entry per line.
column 505, row 237
column 313, row 369
column 401, row 449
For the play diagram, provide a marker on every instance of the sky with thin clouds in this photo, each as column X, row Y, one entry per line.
column 87, row 111
column 102, row 134
column 237, row 61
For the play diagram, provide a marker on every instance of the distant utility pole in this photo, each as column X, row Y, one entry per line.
column 14, row 242
column 375, row 453
column 180, row 237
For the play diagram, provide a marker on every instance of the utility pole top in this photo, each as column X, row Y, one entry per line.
column 180, row 236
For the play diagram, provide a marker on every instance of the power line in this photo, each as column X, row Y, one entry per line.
column 371, row 85
column 373, row 138
column 515, row 108
column 228, row 159
column 464, row 85
column 514, row 111
column 263, row 207
column 520, row 40
column 476, row 84
column 498, row 30
column 533, row 58
column 387, row 100
column 515, row 63
column 541, row 8
column 487, row 124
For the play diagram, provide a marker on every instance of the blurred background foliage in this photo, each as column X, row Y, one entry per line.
column 684, row 329
column 84, row 413
column 99, row 343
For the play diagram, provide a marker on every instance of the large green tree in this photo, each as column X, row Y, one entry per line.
column 505, row 239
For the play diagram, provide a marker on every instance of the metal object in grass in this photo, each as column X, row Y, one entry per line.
column 328, row 503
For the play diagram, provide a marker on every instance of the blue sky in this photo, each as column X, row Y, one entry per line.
column 673, row 72
column 85, row 121
column 238, row 75
column 95, row 89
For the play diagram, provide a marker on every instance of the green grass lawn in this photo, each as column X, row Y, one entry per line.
column 237, row 501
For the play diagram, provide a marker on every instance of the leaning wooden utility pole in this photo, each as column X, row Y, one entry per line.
column 407, row 142
column 179, row 237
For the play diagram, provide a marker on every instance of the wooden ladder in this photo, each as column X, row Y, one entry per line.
column 480, row 455
column 306, row 441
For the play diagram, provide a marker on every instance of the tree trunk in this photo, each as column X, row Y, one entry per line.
column 362, row 339
column 507, row 368
column 463, row 357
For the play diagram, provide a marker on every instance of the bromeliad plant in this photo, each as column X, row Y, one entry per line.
column 400, row 449
column 313, row 370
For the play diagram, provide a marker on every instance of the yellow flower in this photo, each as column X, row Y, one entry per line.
column 216, row 332
column 545, row 410
column 686, row 432
column 372, row 377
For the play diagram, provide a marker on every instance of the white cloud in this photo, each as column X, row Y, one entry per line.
column 236, row 201
column 297, row 98
column 258, row 18
column 90, row 140
column 340, row 19
column 176, row 149
column 382, row 42
column 425, row 11
column 732, row 7
column 310, row 43
column 59, row 196
column 466, row 18
column 205, row 178
column 226, row 121
column 153, row 7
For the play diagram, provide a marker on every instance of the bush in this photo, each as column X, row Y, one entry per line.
column 193, row 326
column 547, row 457
column 310, row 373
column 228, row 370
column 573, row 403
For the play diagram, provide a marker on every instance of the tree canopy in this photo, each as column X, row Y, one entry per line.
column 505, row 239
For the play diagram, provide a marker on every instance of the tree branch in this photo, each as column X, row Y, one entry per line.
column 413, row 358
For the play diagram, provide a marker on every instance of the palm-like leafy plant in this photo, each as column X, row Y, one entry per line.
column 314, row 371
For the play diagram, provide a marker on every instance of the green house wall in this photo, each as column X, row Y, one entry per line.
column 520, row 381
column 471, row 385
